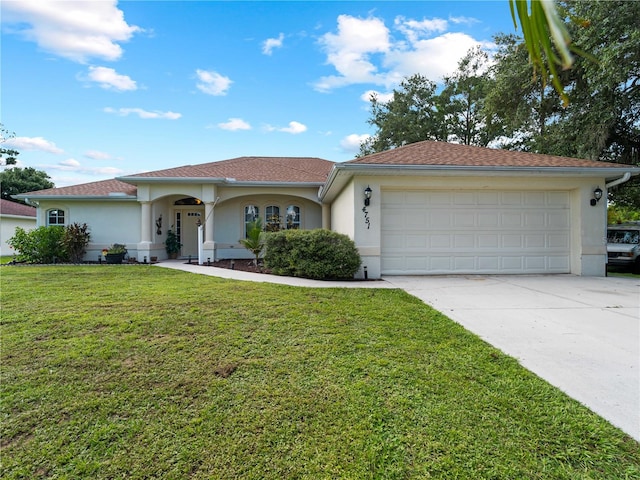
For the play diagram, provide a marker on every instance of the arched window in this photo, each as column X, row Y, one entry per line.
column 293, row 218
column 272, row 218
column 251, row 213
column 55, row 217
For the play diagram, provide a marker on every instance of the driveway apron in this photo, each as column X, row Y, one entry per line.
column 581, row 334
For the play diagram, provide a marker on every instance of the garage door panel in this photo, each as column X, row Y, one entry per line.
column 558, row 220
column 464, row 219
column 475, row 232
column 488, row 219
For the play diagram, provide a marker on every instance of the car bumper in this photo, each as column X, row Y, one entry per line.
column 620, row 261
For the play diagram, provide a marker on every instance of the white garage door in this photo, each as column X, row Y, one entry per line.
column 431, row 232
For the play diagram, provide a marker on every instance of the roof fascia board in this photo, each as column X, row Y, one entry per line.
column 18, row 217
column 136, row 180
column 482, row 169
column 458, row 170
column 216, row 180
column 112, row 198
column 275, row 184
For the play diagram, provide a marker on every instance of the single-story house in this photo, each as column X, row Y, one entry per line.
column 13, row 215
column 424, row 208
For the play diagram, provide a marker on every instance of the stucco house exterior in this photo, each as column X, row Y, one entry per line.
column 433, row 208
column 13, row 215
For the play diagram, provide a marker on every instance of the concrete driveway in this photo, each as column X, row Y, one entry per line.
column 581, row 334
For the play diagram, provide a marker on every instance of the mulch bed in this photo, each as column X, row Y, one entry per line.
column 242, row 265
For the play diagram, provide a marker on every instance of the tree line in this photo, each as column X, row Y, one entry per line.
column 504, row 101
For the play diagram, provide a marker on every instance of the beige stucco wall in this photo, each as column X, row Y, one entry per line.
column 8, row 225
column 227, row 203
column 229, row 219
column 108, row 221
column 343, row 211
column 588, row 224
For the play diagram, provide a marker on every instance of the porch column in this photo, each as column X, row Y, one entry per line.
column 208, row 215
column 145, row 222
column 208, row 247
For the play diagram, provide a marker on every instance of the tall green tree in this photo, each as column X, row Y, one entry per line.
column 415, row 113
column 520, row 104
column 601, row 120
column 606, row 93
column 7, row 155
column 22, row 180
column 465, row 93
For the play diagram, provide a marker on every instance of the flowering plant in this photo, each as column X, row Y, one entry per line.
column 117, row 248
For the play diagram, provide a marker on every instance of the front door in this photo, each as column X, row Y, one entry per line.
column 187, row 230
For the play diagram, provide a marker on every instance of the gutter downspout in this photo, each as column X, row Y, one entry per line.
column 624, row 178
column 607, row 186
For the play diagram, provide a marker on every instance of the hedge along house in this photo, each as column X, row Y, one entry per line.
column 433, row 208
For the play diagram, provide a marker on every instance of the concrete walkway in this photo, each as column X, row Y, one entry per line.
column 581, row 334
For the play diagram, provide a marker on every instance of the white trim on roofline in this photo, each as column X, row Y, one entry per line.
column 216, row 180
column 342, row 172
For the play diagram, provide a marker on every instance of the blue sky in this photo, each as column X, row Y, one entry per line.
column 99, row 89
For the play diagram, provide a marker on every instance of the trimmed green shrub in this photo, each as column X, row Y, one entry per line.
column 41, row 245
column 318, row 254
column 75, row 240
column 621, row 214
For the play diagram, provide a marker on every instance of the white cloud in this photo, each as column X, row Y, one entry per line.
column 73, row 165
column 434, row 57
column 294, row 128
column 414, row 29
column 97, row 155
column 145, row 114
column 235, row 124
column 464, row 20
column 74, row 30
column 364, row 50
column 71, row 162
column 270, row 43
column 382, row 97
column 212, row 83
column 350, row 50
column 109, row 79
column 351, row 143
column 32, row 143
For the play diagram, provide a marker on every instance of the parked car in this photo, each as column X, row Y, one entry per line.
column 623, row 246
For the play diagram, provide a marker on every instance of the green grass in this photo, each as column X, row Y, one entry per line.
column 140, row 372
column 5, row 259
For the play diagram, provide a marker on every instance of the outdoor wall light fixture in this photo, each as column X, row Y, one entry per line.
column 367, row 195
column 597, row 195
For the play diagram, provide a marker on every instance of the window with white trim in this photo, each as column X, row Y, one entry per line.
column 293, row 218
column 272, row 218
column 251, row 214
column 55, row 217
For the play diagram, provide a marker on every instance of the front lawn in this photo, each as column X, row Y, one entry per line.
column 140, row 372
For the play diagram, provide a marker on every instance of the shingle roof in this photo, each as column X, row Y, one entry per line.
column 13, row 208
column 93, row 189
column 316, row 170
column 451, row 154
column 252, row 169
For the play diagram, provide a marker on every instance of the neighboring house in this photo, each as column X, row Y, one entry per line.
column 434, row 208
column 13, row 215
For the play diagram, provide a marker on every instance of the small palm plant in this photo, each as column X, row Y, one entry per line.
column 255, row 239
